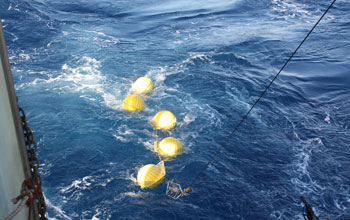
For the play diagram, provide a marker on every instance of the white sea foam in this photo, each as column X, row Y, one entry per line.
column 14, row 37
column 132, row 194
column 197, row 56
column 309, row 146
column 23, row 56
column 276, row 215
column 165, row 7
column 291, row 8
column 303, row 180
column 103, row 39
column 317, row 141
column 113, row 100
column 84, row 77
column 189, row 118
column 60, row 213
column 52, row 42
column 158, row 74
column 123, row 134
column 82, row 184
column 11, row 7
column 104, row 183
column 45, row 169
column 340, row 205
column 328, row 118
column 131, row 176
column 126, row 134
column 98, row 212
column 76, row 189
column 120, row 138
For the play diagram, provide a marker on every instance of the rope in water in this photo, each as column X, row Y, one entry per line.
column 256, row 102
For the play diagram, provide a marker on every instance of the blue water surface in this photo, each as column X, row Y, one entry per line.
column 73, row 63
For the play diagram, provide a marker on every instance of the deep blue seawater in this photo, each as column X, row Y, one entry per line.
column 73, row 63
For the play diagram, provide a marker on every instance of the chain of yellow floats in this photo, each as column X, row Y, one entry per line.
column 152, row 175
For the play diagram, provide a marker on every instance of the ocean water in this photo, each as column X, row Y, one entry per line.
column 73, row 63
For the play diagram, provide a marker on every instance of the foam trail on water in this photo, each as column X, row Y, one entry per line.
column 60, row 213
column 304, row 182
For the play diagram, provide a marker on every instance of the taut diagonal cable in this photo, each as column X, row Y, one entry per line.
column 256, row 102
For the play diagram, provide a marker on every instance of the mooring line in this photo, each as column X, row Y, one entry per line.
column 256, row 102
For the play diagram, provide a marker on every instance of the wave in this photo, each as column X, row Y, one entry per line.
column 60, row 214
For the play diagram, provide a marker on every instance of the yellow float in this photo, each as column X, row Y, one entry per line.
column 151, row 176
column 163, row 120
column 133, row 103
column 142, row 85
column 168, row 147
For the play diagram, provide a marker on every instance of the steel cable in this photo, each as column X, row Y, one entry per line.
column 256, row 102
